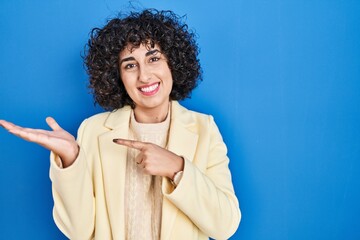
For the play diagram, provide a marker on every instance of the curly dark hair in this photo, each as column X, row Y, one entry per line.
column 149, row 26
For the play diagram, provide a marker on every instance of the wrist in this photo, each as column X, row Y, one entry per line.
column 176, row 166
column 67, row 161
column 177, row 177
column 177, row 172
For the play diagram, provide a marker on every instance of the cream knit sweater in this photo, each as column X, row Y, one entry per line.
column 143, row 196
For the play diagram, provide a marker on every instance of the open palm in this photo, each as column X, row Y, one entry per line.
column 58, row 140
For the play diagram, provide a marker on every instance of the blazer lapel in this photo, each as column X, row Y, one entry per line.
column 182, row 141
column 183, row 135
column 113, row 161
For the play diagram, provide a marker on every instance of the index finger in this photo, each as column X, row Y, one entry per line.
column 130, row 143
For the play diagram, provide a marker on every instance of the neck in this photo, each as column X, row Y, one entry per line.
column 151, row 115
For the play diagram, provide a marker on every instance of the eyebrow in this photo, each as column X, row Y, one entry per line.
column 152, row 52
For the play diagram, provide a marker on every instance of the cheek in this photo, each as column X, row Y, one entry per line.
column 126, row 80
column 168, row 76
column 171, row 80
column 128, row 88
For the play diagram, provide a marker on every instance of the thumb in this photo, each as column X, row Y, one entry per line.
column 53, row 124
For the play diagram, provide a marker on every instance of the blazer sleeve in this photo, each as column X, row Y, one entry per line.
column 74, row 207
column 207, row 195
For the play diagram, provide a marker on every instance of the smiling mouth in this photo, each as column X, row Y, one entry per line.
column 150, row 89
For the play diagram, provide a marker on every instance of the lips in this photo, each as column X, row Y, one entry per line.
column 149, row 90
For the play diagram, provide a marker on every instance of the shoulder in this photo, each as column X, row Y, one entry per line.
column 197, row 122
column 186, row 115
column 107, row 120
column 96, row 120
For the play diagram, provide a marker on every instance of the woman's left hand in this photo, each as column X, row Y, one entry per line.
column 153, row 159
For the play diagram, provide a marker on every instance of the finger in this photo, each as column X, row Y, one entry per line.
column 53, row 124
column 130, row 143
column 139, row 159
column 16, row 129
column 7, row 125
column 27, row 134
column 2, row 123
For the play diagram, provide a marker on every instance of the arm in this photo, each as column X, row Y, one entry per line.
column 207, row 196
column 74, row 202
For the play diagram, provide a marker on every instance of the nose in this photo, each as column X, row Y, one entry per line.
column 144, row 74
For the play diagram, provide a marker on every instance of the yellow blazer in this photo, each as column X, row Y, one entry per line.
column 89, row 195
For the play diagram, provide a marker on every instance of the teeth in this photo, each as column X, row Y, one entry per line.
column 150, row 88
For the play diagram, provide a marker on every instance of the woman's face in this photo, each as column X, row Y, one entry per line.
column 146, row 76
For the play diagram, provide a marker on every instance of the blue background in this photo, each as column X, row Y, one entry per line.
column 281, row 78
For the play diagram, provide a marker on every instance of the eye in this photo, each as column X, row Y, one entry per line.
column 130, row 66
column 154, row 59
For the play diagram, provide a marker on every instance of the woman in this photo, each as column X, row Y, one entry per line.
column 148, row 168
